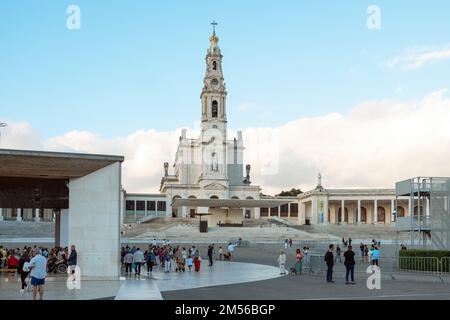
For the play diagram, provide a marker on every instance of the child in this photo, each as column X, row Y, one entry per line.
column 220, row 253
column 189, row 262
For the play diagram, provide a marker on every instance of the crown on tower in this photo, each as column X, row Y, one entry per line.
column 214, row 39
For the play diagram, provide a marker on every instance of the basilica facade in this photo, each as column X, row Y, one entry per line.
column 208, row 173
column 209, row 166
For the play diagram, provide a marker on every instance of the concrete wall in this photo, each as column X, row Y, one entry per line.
column 94, row 214
column 64, row 228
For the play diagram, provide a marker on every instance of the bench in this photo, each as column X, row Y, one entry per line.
column 14, row 271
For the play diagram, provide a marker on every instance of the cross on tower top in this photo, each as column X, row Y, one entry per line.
column 214, row 24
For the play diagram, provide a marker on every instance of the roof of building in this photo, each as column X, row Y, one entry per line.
column 229, row 203
column 51, row 165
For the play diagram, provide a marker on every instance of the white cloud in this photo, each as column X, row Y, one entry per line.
column 419, row 56
column 244, row 107
column 20, row 135
column 374, row 145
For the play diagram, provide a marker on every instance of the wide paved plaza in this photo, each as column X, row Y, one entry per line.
column 253, row 274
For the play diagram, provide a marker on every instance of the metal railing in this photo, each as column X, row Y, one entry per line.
column 390, row 266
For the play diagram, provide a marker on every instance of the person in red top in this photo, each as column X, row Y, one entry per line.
column 12, row 262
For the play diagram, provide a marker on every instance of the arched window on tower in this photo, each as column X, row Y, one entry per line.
column 214, row 65
column 214, row 110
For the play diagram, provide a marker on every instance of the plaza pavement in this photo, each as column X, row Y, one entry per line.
column 265, row 284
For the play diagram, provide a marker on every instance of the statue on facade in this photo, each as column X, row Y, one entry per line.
column 215, row 162
column 319, row 181
column 247, row 177
column 166, row 169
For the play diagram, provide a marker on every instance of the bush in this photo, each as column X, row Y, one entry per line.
column 413, row 263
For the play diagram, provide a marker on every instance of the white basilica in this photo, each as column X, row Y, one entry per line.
column 211, row 165
column 208, row 177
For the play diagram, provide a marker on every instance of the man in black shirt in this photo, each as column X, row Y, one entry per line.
column 329, row 259
column 349, row 263
column 210, row 255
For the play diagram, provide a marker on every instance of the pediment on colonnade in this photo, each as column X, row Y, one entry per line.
column 215, row 186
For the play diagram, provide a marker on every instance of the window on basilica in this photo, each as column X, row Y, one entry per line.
column 214, row 109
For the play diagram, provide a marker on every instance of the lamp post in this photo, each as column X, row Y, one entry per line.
column 2, row 125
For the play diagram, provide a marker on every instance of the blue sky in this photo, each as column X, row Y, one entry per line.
column 139, row 64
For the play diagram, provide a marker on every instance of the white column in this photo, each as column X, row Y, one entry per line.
column 410, row 208
column 375, row 211
column 36, row 217
column 359, row 212
column 301, row 212
column 184, row 211
column 342, row 211
column 93, row 221
column 314, row 208
column 393, row 209
column 64, row 228
column 325, row 212
column 19, row 214
column 1, row 214
column 257, row 213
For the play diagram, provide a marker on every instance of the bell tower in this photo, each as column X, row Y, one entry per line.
column 213, row 96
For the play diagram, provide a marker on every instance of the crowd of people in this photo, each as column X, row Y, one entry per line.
column 36, row 262
column 170, row 257
column 368, row 254
column 299, row 256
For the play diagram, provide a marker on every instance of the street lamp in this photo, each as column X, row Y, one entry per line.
column 2, row 125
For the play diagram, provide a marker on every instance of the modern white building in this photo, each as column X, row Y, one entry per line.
column 79, row 192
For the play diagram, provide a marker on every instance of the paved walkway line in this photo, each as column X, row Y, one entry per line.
column 222, row 273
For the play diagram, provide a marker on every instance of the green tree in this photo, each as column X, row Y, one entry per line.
column 291, row 193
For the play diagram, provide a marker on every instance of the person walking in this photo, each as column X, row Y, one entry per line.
column 189, row 262
column 306, row 255
column 375, row 256
column 285, row 243
column 220, row 253
column 167, row 261
column 298, row 261
column 210, row 255
column 361, row 248
column 338, row 254
column 150, row 260
column 366, row 253
column 128, row 261
column 197, row 261
column 23, row 269
column 231, row 250
column 329, row 259
column 38, row 266
column 138, row 260
column 72, row 258
column 349, row 262
column 282, row 262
